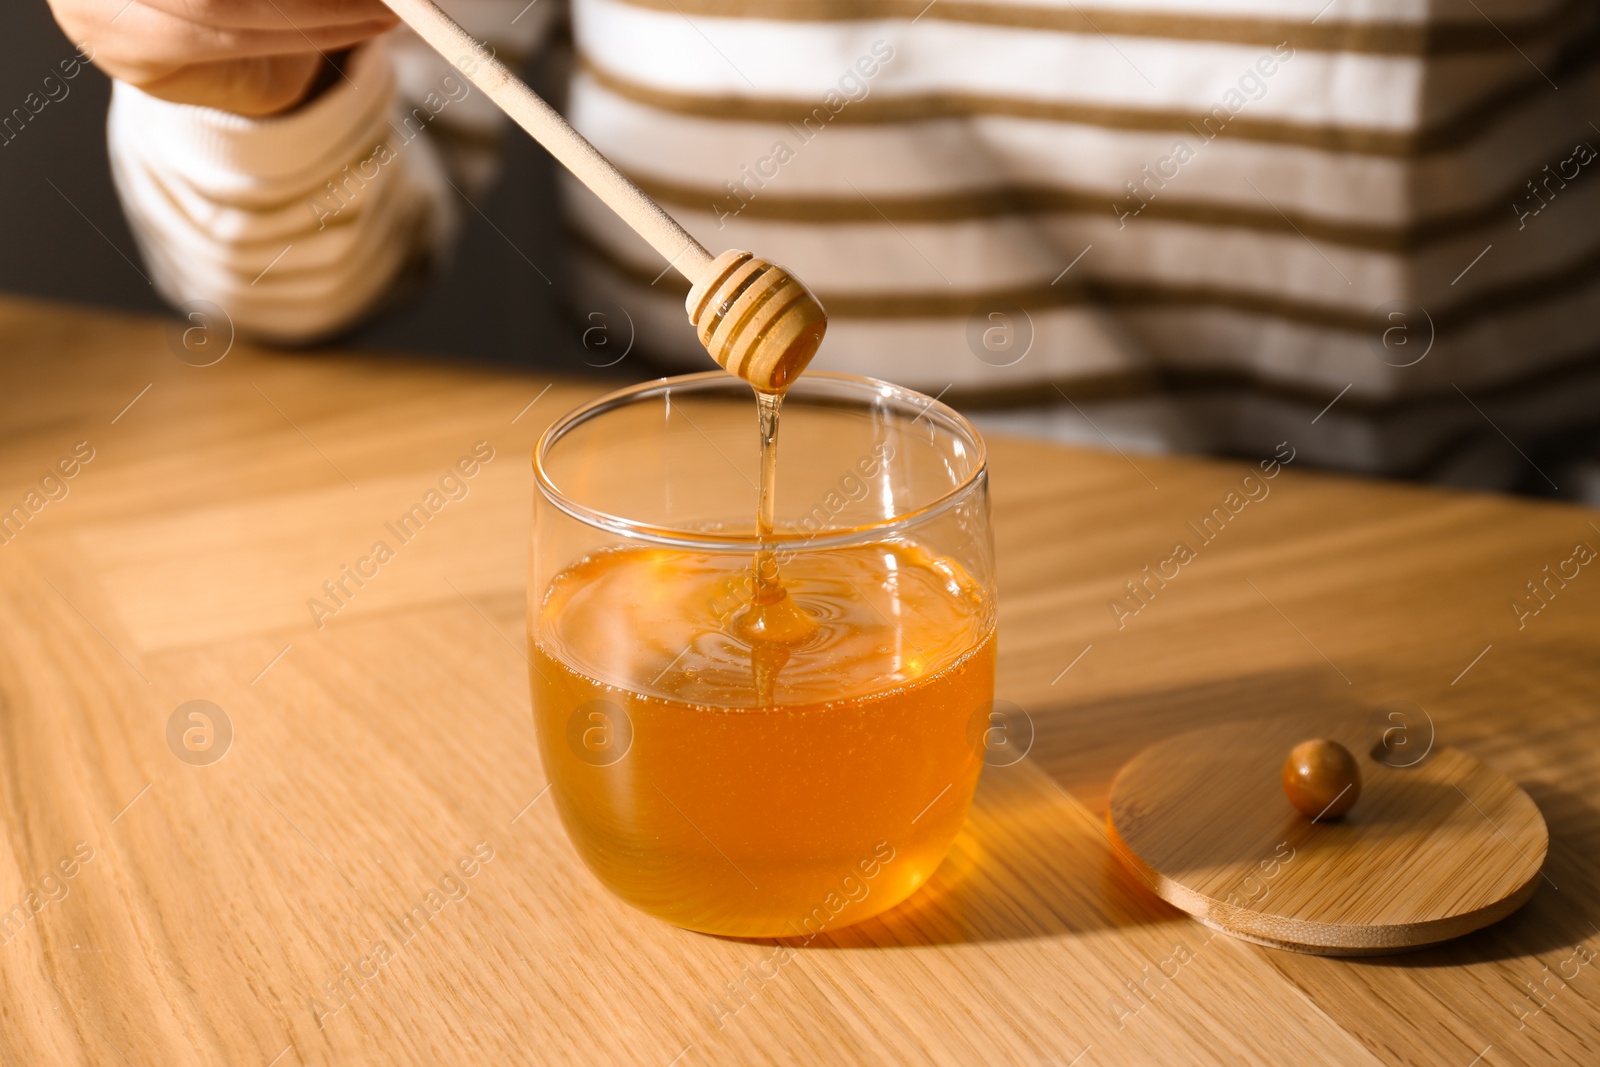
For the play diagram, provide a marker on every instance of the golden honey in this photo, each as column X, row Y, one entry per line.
column 739, row 785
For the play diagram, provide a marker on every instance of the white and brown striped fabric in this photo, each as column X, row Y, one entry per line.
column 1176, row 223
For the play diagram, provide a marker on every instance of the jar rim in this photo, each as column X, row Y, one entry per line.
column 722, row 541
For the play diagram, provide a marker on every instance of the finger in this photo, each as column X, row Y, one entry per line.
column 270, row 14
column 253, row 87
column 147, row 43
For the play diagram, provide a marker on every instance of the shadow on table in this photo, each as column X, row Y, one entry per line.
column 1034, row 860
column 1031, row 862
column 1083, row 744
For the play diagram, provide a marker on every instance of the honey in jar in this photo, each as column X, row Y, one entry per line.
column 739, row 785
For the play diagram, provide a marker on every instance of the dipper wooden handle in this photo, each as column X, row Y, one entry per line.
column 755, row 318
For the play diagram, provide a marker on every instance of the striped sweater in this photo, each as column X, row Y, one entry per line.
column 1167, row 223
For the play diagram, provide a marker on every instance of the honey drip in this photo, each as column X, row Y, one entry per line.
column 772, row 623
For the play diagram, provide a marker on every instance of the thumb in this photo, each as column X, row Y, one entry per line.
column 258, row 86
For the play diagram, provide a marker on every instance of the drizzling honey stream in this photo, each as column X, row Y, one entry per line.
column 771, row 622
column 761, row 323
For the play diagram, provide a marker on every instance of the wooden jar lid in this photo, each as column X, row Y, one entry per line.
column 1429, row 852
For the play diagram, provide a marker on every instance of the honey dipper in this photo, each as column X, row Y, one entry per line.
column 756, row 319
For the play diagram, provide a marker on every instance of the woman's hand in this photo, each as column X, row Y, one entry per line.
column 252, row 57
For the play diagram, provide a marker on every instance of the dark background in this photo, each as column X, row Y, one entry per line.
column 69, row 242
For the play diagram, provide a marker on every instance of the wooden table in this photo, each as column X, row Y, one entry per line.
column 230, row 912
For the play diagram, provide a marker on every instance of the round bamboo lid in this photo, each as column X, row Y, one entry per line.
column 1431, row 851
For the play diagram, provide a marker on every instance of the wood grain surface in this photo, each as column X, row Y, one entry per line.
column 1435, row 847
column 371, row 874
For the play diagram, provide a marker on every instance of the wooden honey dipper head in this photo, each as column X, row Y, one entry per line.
column 757, row 320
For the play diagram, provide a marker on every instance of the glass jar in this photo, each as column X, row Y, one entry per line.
column 736, row 785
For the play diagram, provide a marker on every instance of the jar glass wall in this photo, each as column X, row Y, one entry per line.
column 741, row 786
